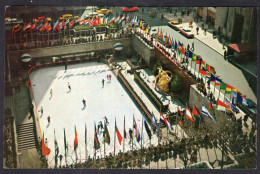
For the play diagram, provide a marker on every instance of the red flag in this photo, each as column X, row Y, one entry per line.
column 182, row 50
column 44, row 27
column 33, row 27
column 75, row 140
column 95, row 22
column 119, row 137
column 45, row 149
column 170, row 43
column 27, row 26
column 161, row 34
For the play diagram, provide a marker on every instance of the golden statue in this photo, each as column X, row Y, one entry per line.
column 163, row 79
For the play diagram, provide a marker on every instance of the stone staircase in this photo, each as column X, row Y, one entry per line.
column 26, row 138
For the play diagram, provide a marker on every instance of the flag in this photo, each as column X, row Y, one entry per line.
column 206, row 112
column 119, row 137
column 38, row 27
column 147, row 129
column 212, row 77
column 233, row 106
column 44, row 26
column 188, row 114
column 137, row 134
column 233, row 94
column 190, row 54
column 193, row 57
column 182, row 50
column 117, row 19
column 75, row 140
column 15, row 28
column 173, row 46
column 244, row 101
column 217, row 82
column 228, row 89
column 161, row 34
column 196, row 113
column 181, row 116
column 165, row 122
column 62, row 23
column 203, row 71
column 155, row 124
column 133, row 20
column 234, row 89
column 221, row 106
column 121, row 19
column 56, row 147
column 111, row 21
column 27, row 26
column 223, row 85
column 124, row 129
column 211, row 109
column 105, row 21
column 96, row 142
column 65, row 143
column 71, row 23
column 48, row 27
column 56, row 26
column 198, row 59
column 45, row 149
column 127, row 19
column 106, row 134
column 140, row 25
column 33, row 26
column 147, row 29
column 228, row 104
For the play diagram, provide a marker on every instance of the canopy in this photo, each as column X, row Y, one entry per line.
column 243, row 47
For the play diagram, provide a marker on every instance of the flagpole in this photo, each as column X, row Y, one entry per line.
column 76, row 151
column 104, row 135
column 124, row 137
column 115, row 139
column 55, row 156
column 142, row 134
column 86, row 153
column 94, row 140
column 133, row 135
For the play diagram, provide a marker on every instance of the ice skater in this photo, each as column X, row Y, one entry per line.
column 49, row 119
column 41, row 110
column 69, row 86
column 110, row 77
column 84, row 103
column 107, row 77
column 51, row 93
column 106, row 121
column 103, row 81
column 193, row 46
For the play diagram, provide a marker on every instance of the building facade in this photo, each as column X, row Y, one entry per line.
column 237, row 24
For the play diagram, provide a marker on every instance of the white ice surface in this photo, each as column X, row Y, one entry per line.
column 65, row 108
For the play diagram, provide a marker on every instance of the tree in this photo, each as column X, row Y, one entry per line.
column 155, row 66
column 176, row 85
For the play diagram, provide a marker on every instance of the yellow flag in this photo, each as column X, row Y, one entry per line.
column 140, row 24
column 147, row 29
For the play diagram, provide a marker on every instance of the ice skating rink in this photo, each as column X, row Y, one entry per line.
column 65, row 109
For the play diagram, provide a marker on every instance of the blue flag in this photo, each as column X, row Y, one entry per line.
column 156, row 124
column 190, row 54
column 233, row 106
column 212, row 77
column 233, row 94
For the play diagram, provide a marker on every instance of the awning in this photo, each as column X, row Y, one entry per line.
column 243, row 47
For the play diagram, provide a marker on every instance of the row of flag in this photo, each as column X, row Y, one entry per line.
column 205, row 69
column 47, row 26
column 106, row 135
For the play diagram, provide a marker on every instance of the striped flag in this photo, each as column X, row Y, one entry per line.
column 188, row 114
column 217, row 82
column 119, row 137
column 27, row 26
column 228, row 104
column 180, row 116
column 206, row 112
column 228, row 89
column 96, row 142
column 137, row 134
column 221, row 106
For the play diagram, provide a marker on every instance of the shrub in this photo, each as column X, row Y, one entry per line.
column 155, row 66
column 176, row 85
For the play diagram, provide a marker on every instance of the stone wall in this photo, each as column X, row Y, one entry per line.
column 145, row 52
column 198, row 99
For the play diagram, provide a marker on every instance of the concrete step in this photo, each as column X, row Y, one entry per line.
column 26, row 138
